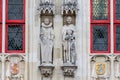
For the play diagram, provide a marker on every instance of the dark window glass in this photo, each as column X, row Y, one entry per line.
column 15, row 37
column 118, row 9
column 118, row 38
column 100, row 38
column 15, row 9
column 100, row 9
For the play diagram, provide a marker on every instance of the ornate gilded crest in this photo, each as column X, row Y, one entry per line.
column 100, row 68
column 14, row 68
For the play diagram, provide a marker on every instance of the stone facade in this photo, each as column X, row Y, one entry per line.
column 85, row 66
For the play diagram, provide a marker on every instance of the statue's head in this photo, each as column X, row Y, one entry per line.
column 46, row 21
column 69, row 20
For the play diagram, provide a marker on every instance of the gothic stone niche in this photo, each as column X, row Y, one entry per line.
column 0, row 69
column 46, row 44
column 14, row 67
column 68, row 45
column 46, row 5
column 100, row 67
column 69, row 6
column 117, row 67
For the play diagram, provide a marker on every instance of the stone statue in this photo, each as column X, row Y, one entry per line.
column 47, row 39
column 68, row 37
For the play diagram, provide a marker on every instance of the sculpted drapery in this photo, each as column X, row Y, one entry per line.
column 68, row 37
column 47, row 39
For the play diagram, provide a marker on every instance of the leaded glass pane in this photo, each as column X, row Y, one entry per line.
column 118, row 38
column 118, row 9
column 100, row 9
column 15, row 9
column 15, row 37
column 100, row 38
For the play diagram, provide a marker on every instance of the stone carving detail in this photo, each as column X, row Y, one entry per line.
column 69, row 10
column 69, row 5
column 100, row 68
column 68, row 37
column 47, row 36
column 47, row 41
column 46, row 5
column 15, row 67
column 69, row 70
column 117, row 67
column 46, row 71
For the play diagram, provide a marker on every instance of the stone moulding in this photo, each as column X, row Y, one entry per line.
column 100, row 67
column 47, row 6
column 117, row 66
column 46, row 70
column 70, row 6
column 68, row 71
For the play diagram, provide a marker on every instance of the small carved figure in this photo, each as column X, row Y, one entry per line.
column 47, row 39
column 68, row 37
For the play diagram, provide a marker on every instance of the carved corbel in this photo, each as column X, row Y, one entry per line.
column 68, row 71
column 46, row 71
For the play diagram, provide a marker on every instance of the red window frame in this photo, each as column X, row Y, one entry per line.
column 0, row 25
column 99, row 21
column 115, row 46
column 0, row 11
column 15, row 21
column 6, row 41
column 115, row 20
column 91, row 40
column 0, row 37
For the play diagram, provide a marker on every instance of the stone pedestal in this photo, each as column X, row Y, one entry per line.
column 46, row 70
column 68, row 69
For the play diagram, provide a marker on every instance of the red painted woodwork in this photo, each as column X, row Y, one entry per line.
column 91, row 40
column 99, row 21
column 15, row 21
column 6, row 41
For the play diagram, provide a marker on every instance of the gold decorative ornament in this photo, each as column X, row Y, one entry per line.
column 100, row 68
column 14, row 68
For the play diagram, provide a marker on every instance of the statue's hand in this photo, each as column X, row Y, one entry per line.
column 67, row 37
column 41, row 36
